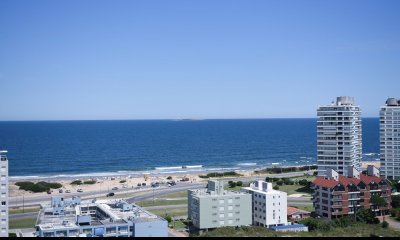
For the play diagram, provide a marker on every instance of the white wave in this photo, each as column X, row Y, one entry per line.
column 194, row 166
column 219, row 169
column 370, row 154
column 166, row 168
column 247, row 164
column 303, row 157
column 169, row 172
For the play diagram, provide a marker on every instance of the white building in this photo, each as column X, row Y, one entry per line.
column 390, row 139
column 269, row 206
column 97, row 218
column 215, row 207
column 339, row 143
column 4, row 194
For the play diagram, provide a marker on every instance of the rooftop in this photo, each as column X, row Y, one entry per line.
column 115, row 211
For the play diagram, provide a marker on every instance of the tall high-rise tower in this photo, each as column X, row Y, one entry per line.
column 3, row 194
column 390, row 139
column 339, row 143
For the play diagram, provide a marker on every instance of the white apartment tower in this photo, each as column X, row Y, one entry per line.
column 390, row 139
column 339, row 143
column 4, row 194
column 269, row 206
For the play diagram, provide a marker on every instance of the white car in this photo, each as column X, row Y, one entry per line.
column 79, row 190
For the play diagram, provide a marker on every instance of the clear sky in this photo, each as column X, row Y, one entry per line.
column 161, row 59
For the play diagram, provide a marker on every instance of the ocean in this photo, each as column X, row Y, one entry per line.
column 82, row 148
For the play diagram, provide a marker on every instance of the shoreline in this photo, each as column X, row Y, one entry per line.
column 163, row 171
column 131, row 181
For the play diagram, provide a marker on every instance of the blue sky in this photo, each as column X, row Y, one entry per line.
column 62, row 60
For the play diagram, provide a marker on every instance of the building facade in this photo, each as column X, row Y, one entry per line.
column 339, row 136
column 97, row 218
column 4, row 194
column 215, row 207
column 390, row 139
column 336, row 195
column 269, row 206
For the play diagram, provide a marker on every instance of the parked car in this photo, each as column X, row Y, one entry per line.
column 79, row 190
column 110, row 194
column 60, row 191
column 114, row 188
column 143, row 184
column 139, row 184
column 49, row 192
column 67, row 191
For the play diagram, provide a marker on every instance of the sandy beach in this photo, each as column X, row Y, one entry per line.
column 128, row 181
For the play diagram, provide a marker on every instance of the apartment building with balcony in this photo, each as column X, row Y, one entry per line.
column 389, row 128
column 339, row 143
column 337, row 195
column 215, row 207
column 97, row 218
column 4, row 194
column 269, row 206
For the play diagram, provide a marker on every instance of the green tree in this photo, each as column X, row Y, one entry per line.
column 385, row 224
column 366, row 216
column 395, row 201
column 379, row 202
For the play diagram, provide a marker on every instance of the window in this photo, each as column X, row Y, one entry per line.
column 221, row 215
column 221, row 208
column 3, row 203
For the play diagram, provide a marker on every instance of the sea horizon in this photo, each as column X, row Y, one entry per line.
column 111, row 147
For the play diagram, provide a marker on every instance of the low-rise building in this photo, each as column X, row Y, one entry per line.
column 215, row 207
column 296, row 214
column 269, row 206
column 100, row 218
column 335, row 195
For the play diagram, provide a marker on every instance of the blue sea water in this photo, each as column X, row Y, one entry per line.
column 51, row 148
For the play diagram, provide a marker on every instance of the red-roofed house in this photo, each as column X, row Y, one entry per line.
column 297, row 214
column 335, row 196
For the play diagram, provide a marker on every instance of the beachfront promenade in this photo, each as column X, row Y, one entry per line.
column 136, row 195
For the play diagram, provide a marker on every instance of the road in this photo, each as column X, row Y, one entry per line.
column 142, row 194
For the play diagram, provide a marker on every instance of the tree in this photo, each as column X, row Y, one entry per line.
column 239, row 183
column 232, row 184
column 279, row 183
column 385, row 224
column 366, row 216
column 169, row 177
column 395, row 201
column 168, row 218
column 276, row 187
column 379, row 202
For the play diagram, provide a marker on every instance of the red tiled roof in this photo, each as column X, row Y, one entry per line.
column 330, row 183
column 321, row 181
column 292, row 210
column 368, row 179
column 347, row 180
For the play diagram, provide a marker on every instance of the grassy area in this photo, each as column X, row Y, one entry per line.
column 308, row 178
column 161, row 202
column 293, row 189
column 26, row 210
column 306, row 208
column 174, row 195
column 359, row 230
column 170, row 211
column 237, row 188
column 22, row 223
column 178, row 225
